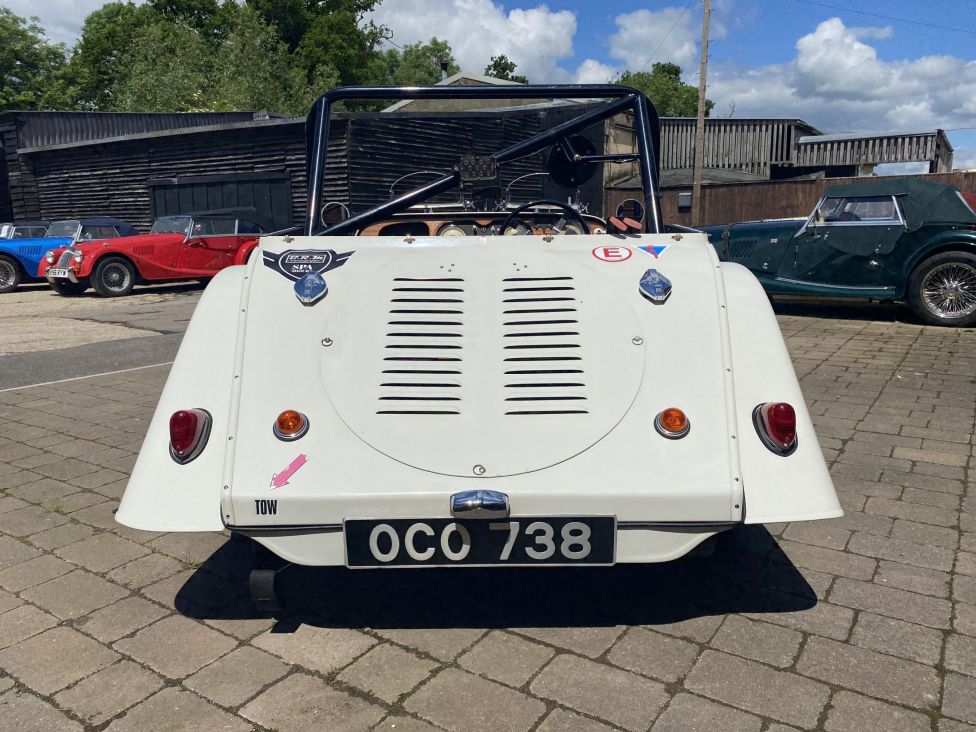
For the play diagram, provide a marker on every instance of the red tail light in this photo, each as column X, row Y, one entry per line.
column 188, row 433
column 776, row 424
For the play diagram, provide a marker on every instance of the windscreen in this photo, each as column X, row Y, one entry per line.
column 377, row 156
column 171, row 225
column 62, row 229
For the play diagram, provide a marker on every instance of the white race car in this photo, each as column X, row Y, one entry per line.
column 540, row 398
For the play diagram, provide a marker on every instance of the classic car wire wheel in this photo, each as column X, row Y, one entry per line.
column 949, row 290
column 8, row 273
column 115, row 276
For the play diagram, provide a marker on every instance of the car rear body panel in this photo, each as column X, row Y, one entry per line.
column 385, row 444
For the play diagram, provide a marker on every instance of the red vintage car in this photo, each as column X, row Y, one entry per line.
column 177, row 248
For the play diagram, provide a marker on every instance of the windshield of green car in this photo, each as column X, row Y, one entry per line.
column 171, row 225
column 873, row 209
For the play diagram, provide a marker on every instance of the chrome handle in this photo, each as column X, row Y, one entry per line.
column 479, row 504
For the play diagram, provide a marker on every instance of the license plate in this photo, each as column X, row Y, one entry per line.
column 57, row 272
column 526, row 541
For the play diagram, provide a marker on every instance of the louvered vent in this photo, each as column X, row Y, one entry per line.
column 542, row 354
column 742, row 248
column 31, row 249
column 423, row 353
column 144, row 249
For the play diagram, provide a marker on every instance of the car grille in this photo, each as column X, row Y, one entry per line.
column 423, row 354
column 540, row 349
column 65, row 259
column 542, row 356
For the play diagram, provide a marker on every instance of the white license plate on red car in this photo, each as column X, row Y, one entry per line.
column 58, row 272
column 525, row 541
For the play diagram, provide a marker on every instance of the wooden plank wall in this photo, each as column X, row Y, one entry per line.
column 730, row 202
column 875, row 150
column 112, row 179
column 730, row 144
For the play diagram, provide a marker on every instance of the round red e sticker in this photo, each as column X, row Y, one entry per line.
column 612, row 254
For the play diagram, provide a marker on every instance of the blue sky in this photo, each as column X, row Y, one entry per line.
column 766, row 31
column 833, row 63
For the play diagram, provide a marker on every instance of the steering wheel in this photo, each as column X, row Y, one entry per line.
column 564, row 207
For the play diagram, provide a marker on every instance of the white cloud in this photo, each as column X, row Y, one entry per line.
column 901, row 169
column 594, row 72
column 534, row 38
column 647, row 36
column 838, row 82
column 62, row 19
column 667, row 35
column 876, row 32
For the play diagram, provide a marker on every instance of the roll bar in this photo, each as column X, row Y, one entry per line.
column 622, row 99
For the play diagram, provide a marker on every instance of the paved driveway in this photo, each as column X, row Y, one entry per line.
column 866, row 622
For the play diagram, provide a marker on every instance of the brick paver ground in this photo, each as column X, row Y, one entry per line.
column 863, row 623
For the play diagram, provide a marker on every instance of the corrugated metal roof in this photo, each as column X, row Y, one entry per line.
column 810, row 139
column 247, row 124
column 42, row 129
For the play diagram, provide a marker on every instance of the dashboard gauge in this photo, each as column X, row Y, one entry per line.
column 598, row 230
column 510, row 231
column 570, row 228
column 452, row 230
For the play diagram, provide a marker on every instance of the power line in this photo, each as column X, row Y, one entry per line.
column 887, row 17
column 666, row 35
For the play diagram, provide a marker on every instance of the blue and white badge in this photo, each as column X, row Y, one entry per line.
column 655, row 286
column 311, row 288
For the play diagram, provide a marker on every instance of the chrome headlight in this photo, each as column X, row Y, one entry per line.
column 77, row 256
column 49, row 257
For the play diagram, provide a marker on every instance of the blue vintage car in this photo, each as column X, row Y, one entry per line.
column 20, row 258
column 24, row 230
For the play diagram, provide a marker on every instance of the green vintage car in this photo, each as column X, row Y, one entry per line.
column 907, row 239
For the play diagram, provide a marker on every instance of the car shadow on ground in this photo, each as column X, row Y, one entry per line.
column 838, row 310
column 154, row 288
column 746, row 573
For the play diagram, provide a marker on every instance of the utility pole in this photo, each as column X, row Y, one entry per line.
column 696, row 219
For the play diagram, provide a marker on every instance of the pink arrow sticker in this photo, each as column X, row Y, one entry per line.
column 281, row 479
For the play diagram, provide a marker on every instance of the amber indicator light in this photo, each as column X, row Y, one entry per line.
column 672, row 423
column 290, row 425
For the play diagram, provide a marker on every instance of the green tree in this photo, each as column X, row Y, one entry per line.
column 29, row 64
column 288, row 17
column 96, row 63
column 254, row 70
column 167, row 68
column 212, row 19
column 501, row 67
column 337, row 36
column 663, row 86
column 416, row 64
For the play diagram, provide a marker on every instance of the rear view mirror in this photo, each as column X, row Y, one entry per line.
column 571, row 173
column 631, row 208
column 333, row 212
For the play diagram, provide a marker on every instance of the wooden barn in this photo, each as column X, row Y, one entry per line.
column 137, row 166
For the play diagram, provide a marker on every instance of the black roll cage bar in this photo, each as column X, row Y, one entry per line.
column 646, row 127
